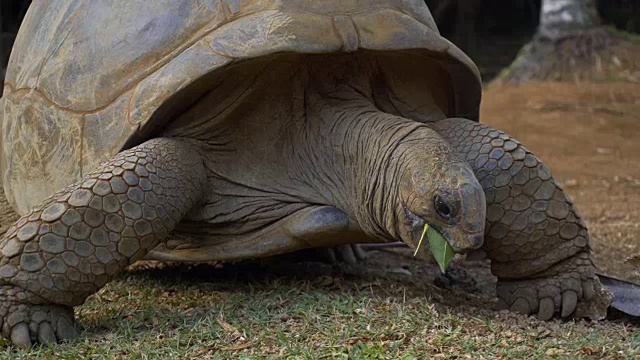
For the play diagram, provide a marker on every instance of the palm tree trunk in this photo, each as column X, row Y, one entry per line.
column 570, row 45
column 559, row 18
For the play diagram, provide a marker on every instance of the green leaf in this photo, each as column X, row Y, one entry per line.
column 440, row 248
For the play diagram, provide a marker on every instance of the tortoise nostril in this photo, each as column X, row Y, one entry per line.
column 477, row 240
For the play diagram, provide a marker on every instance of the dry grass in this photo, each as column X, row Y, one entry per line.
column 247, row 312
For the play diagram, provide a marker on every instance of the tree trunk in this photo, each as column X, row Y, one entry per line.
column 559, row 18
column 570, row 45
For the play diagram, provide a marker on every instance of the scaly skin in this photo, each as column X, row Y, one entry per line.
column 538, row 245
column 77, row 240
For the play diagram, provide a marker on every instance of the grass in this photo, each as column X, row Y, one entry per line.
column 248, row 313
column 624, row 34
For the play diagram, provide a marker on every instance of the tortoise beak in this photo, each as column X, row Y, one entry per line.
column 461, row 241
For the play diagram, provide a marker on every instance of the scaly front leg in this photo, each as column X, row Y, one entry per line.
column 538, row 245
column 77, row 240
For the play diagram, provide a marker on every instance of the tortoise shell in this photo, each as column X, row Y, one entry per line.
column 87, row 79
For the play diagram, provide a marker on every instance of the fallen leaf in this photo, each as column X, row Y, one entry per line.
column 634, row 260
column 571, row 183
column 237, row 347
column 227, row 326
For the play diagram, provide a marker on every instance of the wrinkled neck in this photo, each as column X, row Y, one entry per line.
column 359, row 156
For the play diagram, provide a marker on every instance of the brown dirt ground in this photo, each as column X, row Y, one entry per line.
column 587, row 133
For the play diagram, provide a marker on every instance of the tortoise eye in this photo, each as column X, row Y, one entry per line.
column 443, row 208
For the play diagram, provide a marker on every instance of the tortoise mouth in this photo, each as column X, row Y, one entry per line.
column 416, row 226
column 460, row 240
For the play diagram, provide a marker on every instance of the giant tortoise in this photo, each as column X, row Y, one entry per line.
column 194, row 131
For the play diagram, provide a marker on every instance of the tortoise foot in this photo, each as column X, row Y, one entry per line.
column 349, row 254
column 556, row 291
column 27, row 324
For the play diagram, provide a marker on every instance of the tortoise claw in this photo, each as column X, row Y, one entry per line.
column 521, row 306
column 569, row 302
column 66, row 331
column 546, row 309
column 347, row 254
column 501, row 305
column 46, row 335
column 359, row 252
column 20, row 336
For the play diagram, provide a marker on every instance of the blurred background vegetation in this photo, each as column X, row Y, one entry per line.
column 11, row 14
column 490, row 31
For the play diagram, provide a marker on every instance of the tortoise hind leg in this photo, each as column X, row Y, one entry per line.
column 538, row 245
column 77, row 240
column 326, row 224
column 312, row 227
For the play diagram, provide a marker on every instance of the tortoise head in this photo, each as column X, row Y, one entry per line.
column 448, row 198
